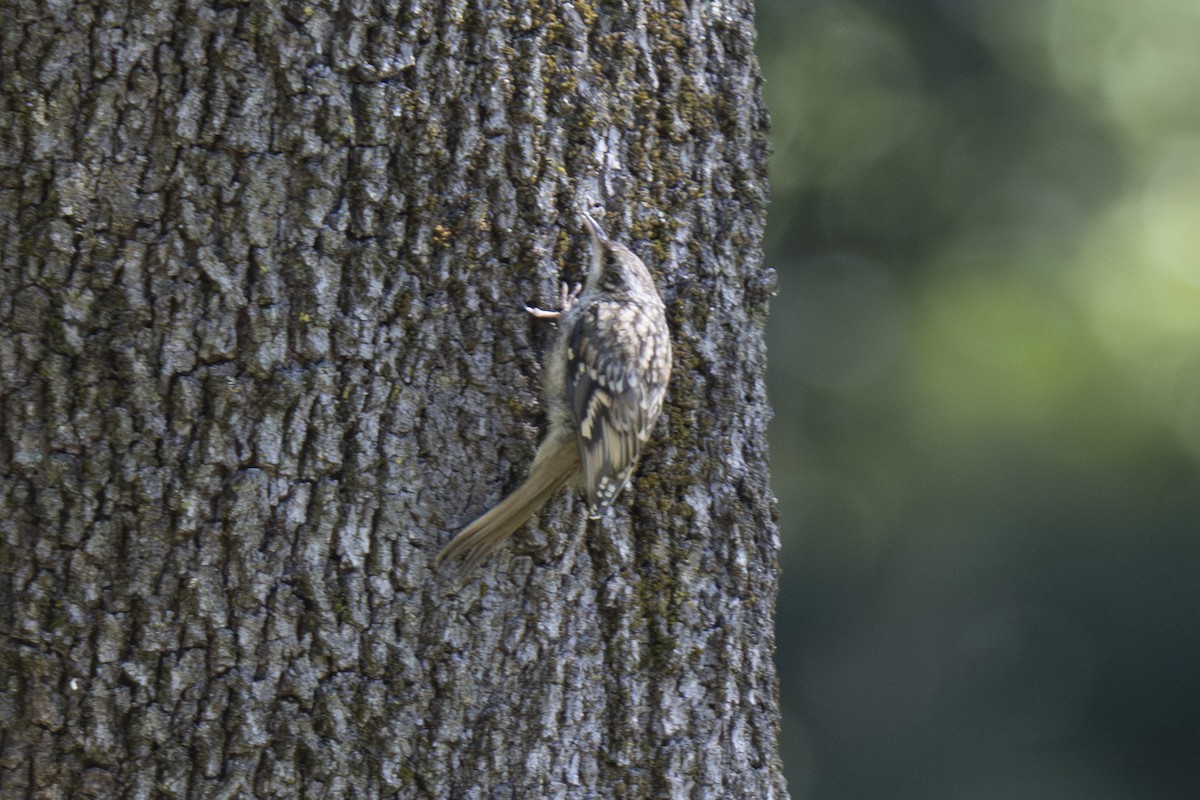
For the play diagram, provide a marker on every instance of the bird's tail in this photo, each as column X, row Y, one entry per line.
column 555, row 465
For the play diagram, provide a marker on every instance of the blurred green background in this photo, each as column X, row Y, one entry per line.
column 985, row 366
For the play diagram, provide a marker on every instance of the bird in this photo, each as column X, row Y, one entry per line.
column 604, row 381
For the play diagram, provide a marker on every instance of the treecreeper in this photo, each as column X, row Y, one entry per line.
column 604, row 380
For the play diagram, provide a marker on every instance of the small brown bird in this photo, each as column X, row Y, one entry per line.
column 604, row 382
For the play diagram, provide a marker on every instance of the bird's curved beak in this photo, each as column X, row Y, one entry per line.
column 593, row 228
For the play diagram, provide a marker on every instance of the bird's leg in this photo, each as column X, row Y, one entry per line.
column 567, row 297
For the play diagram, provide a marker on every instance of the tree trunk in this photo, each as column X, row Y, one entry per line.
column 263, row 352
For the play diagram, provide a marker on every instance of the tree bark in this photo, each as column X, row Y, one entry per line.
column 263, row 352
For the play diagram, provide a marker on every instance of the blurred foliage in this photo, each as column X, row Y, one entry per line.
column 986, row 374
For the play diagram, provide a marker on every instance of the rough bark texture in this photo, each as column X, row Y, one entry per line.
column 263, row 352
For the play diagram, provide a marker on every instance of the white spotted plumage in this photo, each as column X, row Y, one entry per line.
column 615, row 385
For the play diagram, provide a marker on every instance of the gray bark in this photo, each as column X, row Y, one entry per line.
column 263, row 352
